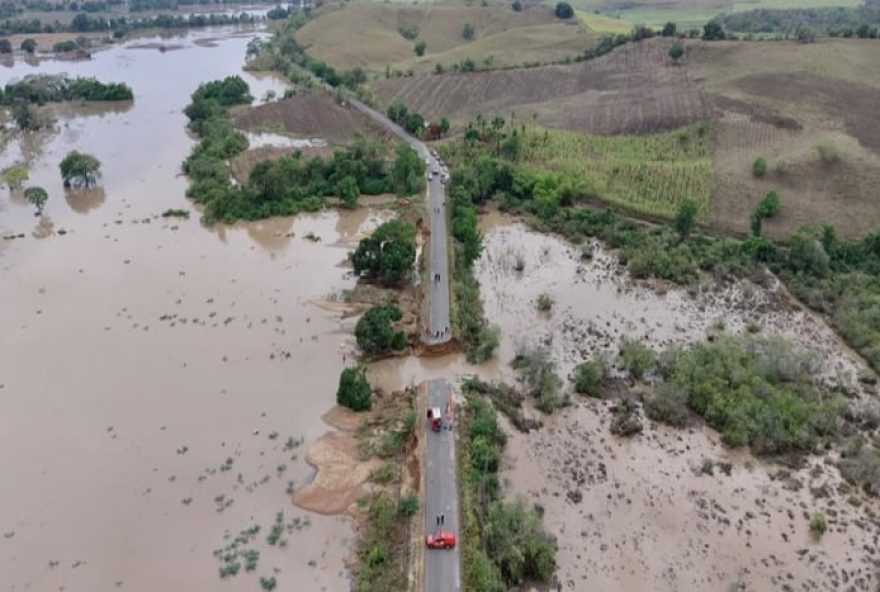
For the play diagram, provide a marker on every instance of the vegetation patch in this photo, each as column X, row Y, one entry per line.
column 375, row 333
column 757, row 391
column 537, row 372
column 39, row 89
column 504, row 543
column 388, row 254
column 507, row 399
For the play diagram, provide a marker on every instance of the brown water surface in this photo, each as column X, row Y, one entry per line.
column 138, row 354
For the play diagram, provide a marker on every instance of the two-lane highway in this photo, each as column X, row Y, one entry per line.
column 438, row 329
column 441, row 498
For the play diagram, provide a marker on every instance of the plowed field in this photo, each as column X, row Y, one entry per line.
column 636, row 88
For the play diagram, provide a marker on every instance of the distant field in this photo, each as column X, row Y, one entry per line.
column 689, row 14
column 783, row 101
column 369, row 35
column 652, row 174
column 603, row 25
column 635, row 89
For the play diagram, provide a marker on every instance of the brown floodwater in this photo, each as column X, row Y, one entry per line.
column 642, row 513
column 138, row 354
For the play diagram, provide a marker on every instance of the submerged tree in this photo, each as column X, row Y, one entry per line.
column 36, row 196
column 79, row 169
column 15, row 175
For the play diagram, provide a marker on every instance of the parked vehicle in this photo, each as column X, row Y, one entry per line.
column 441, row 539
column 435, row 418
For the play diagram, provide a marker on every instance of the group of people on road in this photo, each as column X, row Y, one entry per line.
column 438, row 333
column 436, row 277
column 441, row 519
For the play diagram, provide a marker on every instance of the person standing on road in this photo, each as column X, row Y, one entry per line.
column 442, row 518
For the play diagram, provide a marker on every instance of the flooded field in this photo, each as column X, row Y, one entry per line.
column 160, row 381
column 668, row 509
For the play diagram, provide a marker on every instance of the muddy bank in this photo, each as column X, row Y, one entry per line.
column 667, row 509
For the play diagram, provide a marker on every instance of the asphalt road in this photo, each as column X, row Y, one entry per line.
column 441, row 565
column 438, row 295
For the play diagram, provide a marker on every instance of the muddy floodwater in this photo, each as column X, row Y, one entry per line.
column 667, row 509
column 160, row 382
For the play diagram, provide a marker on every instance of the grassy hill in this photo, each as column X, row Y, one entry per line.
column 374, row 36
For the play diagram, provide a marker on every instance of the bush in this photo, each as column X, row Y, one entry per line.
column 638, row 359
column 564, row 10
column 668, row 405
column 545, row 302
column 768, row 206
column 713, row 31
column 759, row 167
column 538, row 373
column 387, row 255
column 676, row 51
column 588, row 378
column 354, row 390
column 517, row 6
column 818, row 525
column 685, row 218
column 468, row 31
column 828, row 153
column 374, row 331
column 29, row 45
column 518, row 543
column 409, row 504
column 669, row 29
column 420, row 48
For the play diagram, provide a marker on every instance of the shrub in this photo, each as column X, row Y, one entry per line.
column 409, row 32
column 538, row 373
column 409, row 504
column 768, row 206
column 685, row 218
column 828, row 153
column 676, row 51
column 29, row 45
column 388, row 254
column 175, row 213
column 420, row 48
column 354, row 390
column 37, row 197
column 564, row 10
column 669, row 29
column 759, row 167
column 638, row 359
column 668, row 405
column 517, row 541
column 545, row 302
column 384, row 474
column 468, row 31
column 374, row 331
column 818, row 525
column 588, row 378
column 713, row 31
column 517, row 6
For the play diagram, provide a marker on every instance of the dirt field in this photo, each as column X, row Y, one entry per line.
column 782, row 101
column 633, row 89
column 316, row 115
column 368, row 35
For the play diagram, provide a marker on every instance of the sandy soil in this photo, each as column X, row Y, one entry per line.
column 639, row 514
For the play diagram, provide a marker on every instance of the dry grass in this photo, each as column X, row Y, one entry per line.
column 368, row 35
column 782, row 101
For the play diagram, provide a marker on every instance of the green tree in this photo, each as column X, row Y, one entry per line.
column 517, row 6
column 759, row 167
column 375, row 333
column 414, row 123
column 29, row 45
column 5, row 46
column 408, row 171
column 354, row 389
column 468, row 31
column 397, row 110
column 389, row 254
column 420, row 48
column 713, row 31
column 669, row 29
column 79, row 169
column 517, row 541
column 676, row 50
column 755, row 223
column 564, row 10
column 25, row 116
column 15, row 175
column 444, row 125
column 685, row 218
column 348, row 191
column 36, row 196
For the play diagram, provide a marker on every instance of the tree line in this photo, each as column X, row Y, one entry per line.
column 120, row 26
column 53, row 88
